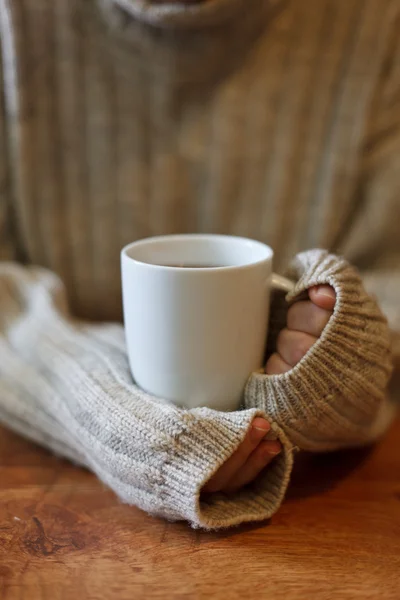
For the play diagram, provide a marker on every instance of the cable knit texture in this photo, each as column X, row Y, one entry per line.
column 332, row 397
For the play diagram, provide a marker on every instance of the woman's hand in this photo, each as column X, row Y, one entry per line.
column 252, row 456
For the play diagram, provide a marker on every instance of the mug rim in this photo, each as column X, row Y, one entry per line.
column 257, row 245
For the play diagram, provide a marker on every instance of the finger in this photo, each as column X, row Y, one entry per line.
column 293, row 345
column 323, row 296
column 276, row 365
column 257, row 461
column 308, row 318
column 256, row 433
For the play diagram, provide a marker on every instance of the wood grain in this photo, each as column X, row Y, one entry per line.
column 64, row 536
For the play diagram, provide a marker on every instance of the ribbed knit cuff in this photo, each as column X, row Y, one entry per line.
column 207, row 442
column 175, row 14
column 332, row 397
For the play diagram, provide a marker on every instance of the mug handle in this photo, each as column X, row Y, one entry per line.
column 278, row 282
column 282, row 283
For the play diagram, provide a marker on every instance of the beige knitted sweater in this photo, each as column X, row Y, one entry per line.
column 119, row 119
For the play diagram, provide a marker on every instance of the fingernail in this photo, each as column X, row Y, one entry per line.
column 260, row 424
column 274, row 449
column 274, row 452
column 257, row 433
column 327, row 291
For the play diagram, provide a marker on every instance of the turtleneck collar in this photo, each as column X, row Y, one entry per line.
column 187, row 45
column 176, row 13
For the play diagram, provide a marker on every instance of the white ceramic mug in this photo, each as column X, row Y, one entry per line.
column 196, row 332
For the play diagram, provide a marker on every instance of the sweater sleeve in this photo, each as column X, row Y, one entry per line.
column 66, row 385
column 335, row 397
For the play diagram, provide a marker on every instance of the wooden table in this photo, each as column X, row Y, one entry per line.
column 64, row 536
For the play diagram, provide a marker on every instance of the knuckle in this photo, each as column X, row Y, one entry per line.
column 272, row 365
column 301, row 316
column 282, row 339
column 300, row 347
